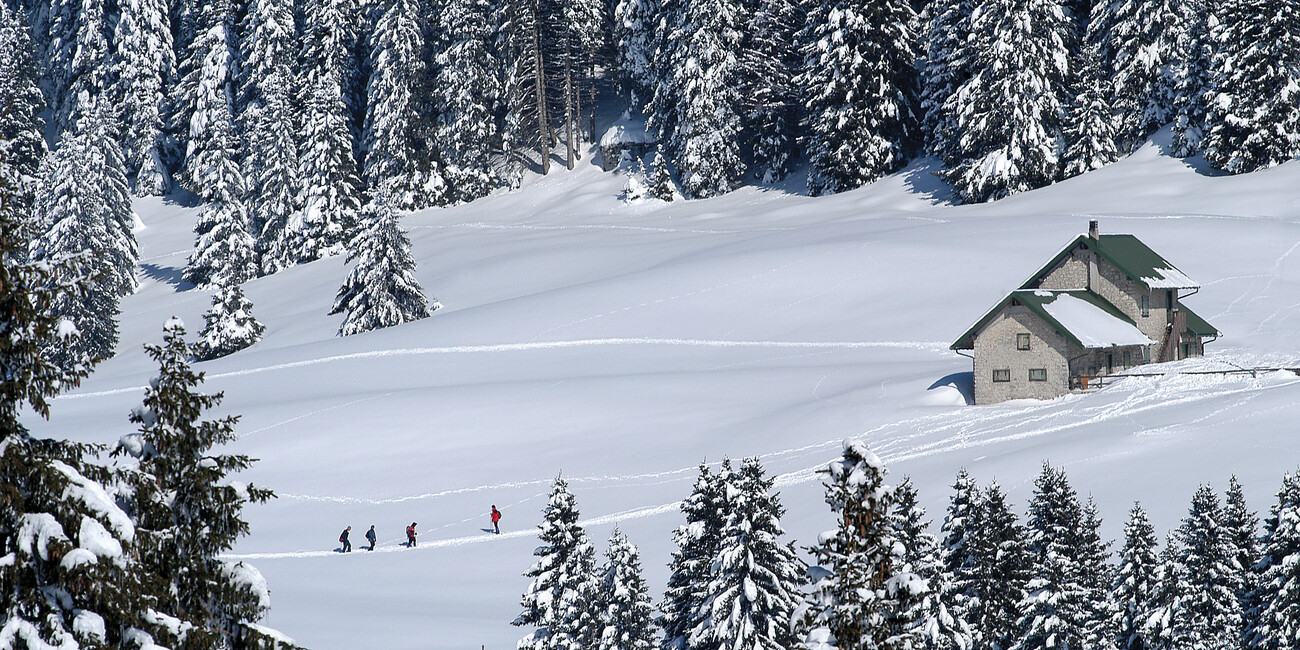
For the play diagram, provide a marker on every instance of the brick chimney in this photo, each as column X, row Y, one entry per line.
column 1094, row 230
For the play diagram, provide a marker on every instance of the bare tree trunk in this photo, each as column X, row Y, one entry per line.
column 568, row 111
column 539, row 81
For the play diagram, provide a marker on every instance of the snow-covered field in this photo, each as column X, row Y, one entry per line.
column 624, row 344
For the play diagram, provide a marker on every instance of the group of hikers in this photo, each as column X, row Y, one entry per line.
column 410, row 533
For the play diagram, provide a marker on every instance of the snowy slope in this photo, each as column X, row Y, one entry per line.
column 621, row 345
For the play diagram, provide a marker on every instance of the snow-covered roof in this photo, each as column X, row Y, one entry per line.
column 1081, row 316
column 626, row 130
column 1127, row 253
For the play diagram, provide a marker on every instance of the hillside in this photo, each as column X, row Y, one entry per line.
column 623, row 344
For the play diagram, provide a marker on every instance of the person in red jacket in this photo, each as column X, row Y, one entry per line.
column 496, row 518
column 410, row 535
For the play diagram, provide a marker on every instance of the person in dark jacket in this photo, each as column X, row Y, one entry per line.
column 370, row 536
column 496, row 519
column 347, row 546
column 410, row 535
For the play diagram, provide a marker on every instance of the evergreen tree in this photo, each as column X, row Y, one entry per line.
column 948, row 66
column 955, row 546
column 634, row 41
column 395, row 66
column 1252, row 121
column 1089, row 132
column 1209, row 615
column 224, row 252
column 1052, row 609
column 753, row 585
column 468, row 83
column 861, row 84
column 927, row 615
column 1135, row 582
column 22, row 139
column 1189, row 77
column 143, row 65
column 334, row 46
column 696, row 109
column 1137, row 42
column 528, row 111
column 1096, row 575
column 187, row 512
column 77, row 58
column 660, row 181
column 562, row 589
column 1008, row 114
column 229, row 325
column 1160, row 628
column 1242, row 528
column 206, row 102
column 626, row 614
column 697, row 544
column 331, row 194
column 121, row 252
column 1275, row 624
column 381, row 289
column 770, row 60
column 999, row 573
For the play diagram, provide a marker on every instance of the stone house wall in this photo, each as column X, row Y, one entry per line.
column 995, row 349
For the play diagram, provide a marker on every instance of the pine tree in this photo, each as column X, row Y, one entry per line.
column 331, row 194
column 949, row 64
column 187, row 512
column 528, row 112
column 1090, row 128
column 562, row 588
column 395, row 66
column 626, row 614
column 229, row 325
column 1160, row 628
column 770, row 61
column 1275, row 624
column 999, row 573
column 381, row 289
column 121, row 252
column 206, row 101
column 1252, row 121
column 22, row 139
column 660, row 181
column 753, row 585
column 1001, row 151
column 634, row 40
column 697, row 544
column 143, row 65
column 77, row 58
column 696, row 109
column 1052, row 609
column 1135, row 582
column 1189, row 77
column 1096, row 575
column 469, row 85
column 224, row 253
column 1138, row 46
column 1209, row 616
column 861, row 87
column 955, row 547
column 1242, row 528
column 935, row 626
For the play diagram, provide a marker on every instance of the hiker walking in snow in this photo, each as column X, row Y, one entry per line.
column 347, row 546
column 410, row 535
column 370, row 535
column 496, row 517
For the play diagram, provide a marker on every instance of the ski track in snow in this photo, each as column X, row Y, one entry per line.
column 933, row 346
column 965, row 428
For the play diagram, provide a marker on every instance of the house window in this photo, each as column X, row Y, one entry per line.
column 1001, row 375
column 1146, row 354
column 1128, row 359
column 1146, row 306
column 1022, row 341
column 1038, row 374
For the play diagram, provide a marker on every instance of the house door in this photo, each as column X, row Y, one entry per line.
column 1110, row 362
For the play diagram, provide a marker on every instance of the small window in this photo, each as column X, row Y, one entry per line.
column 1128, row 359
column 1038, row 374
column 1022, row 341
column 1146, row 354
column 1002, row 375
column 1146, row 306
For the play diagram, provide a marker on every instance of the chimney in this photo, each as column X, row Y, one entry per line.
column 1094, row 230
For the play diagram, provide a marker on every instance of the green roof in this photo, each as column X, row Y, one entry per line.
column 1196, row 325
column 1128, row 254
column 1034, row 301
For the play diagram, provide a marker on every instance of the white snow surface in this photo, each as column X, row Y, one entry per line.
column 624, row 344
column 626, row 130
column 1092, row 325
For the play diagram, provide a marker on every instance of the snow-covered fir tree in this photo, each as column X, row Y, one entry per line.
column 947, row 67
column 957, row 591
column 626, row 615
column 1089, row 131
column 224, row 252
column 1189, row 76
column 770, row 61
column 1000, row 570
column 860, row 83
column 753, row 586
column 634, row 41
column 229, row 325
column 1209, row 615
column 1135, row 582
column 22, row 139
column 1160, row 628
column 186, row 509
column 563, row 589
column 77, row 58
column 395, row 66
column 1137, row 42
column 696, row 109
column 381, row 289
column 1242, row 527
column 121, row 252
column 205, row 100
column 1254, row 75
column 143, row 65
column 331, row 195
column 468, row 84
column 334, row 45
column 585, row 30
column 1275, row 623
column 1096, row 575
column 933, row 624
column 697, row 543
column 1052, row 609
column 525, row 83
column 659, row 180
column 865, row 589
column 1001, row 152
